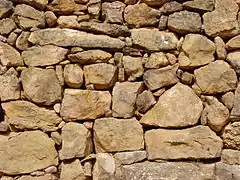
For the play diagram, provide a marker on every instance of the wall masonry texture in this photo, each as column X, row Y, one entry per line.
column 119, row 90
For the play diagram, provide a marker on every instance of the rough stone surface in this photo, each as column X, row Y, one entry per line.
column 156, row 60
column 37, row 153
column 41, row 85
column 199, row 5
column 233, row 60
column 230, row 156
column 25, row 115
column 93, row 104
column 73, row 75
column 5, row 7
column 171, row 7
column 112, row 135
column 7, row 26
column 225, row 171
column 22, row 41
column 40, row 4
column 177, row 107
column 76, row 141
column 231, row 136
column 44, row 56
column 155, row 2
column 217, row 77
column 194, row 143
column 228, row 99
column 145, row 101
column 233, row 43
column 220, row 48
column 123, row 158
column 235, row 113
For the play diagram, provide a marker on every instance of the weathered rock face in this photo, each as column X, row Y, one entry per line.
column 73, row 75
column 217, row 77
column 76, row 141
column 123, row 158
column 5, row 7
column 156, row 60
column 42, row 177
column 153, row 39
column 171, row 7
column 112, row 135
column 225, row 171
column 93, row 104
column 233, row 43
column 40, row 4
column 194, row 143
column 70, row 37
column 41, row 85
column 177, row 107
column 25, row 115
column 112, row 12
column 233, row 60
column 199, row 5
column 197, row 50
column 230, row 156
column 37, row 153
column 43, row 56
column 235, row 113
column 231, row 136
column 6, row 26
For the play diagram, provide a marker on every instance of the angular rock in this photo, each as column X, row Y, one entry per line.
column 27, row 17
column 124, row 98
column 5, row 8
column 104, row 167
column 216, row 77
column 158, row 78
column 22, row 40
column 171, row 7
column 197, row 50
column 235, row 113
column 7, row 26
column 140, row 15
column 42, row 177
column 123, row 158
column 233, row 43
column 68, row 21
column 9, row 56
column 226, row 171
column 133, row 67
column 90, row 57
column 25, row 115
column 156, row 60
column 4, row 127
column 37, row 153
column 154, row 40
column 187, row 78
column 39, row 4
column 231, row 136
column 112, row 12
column 163, row 22
column 145, row 101
column 65, row 7
column 73, row 75
column 215, row 114
column 10, row 85
column 50, row 18
column 199, row 5
column 155, row 2
column 44, row 55
column 220, row 48
column 104, row 28
column 177, row 107
column 228, row 99
column 184, row 22
column 223, row 20
column 56, row 137
column 230, row 156
column 193, row 143
column 93, row 104
column 233, row 60
column 76, row 141
column 168, row 170
column 111, row 135
column 70, row 37
column 41, row 86
column 101, row 75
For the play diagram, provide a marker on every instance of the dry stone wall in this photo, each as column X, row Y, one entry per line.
column 119, row 90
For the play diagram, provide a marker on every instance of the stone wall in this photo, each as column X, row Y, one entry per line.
column 115, row 90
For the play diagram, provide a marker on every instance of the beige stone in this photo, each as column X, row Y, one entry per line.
column 197, row 50
column 50, row 18
column 4, row 127
column 153, row 39
column 233, row 60
column 231, row 136
column 42, row 177
column 37, row 153
column 22, row 40
column 216, row 77
column 233, row 43
column 5, row 8
column 193, row 143
column 228, row 99
column 68, row 21
column 123, row 158
column 56, row 137
column 124, row 98
column 73, row 75
column 39, row 4
column 9, row 56
column 155, row 2
column 225, row 171
column 235, row 113
column 44, row 55
column 93, row 104
column 171, row 7
column 70, row 37
column 230, row 156
column 111, row 135
column 220, row 48
column 177, row 107
column 7, row 26
column 145, row 101
column 41, row 85
column 101, row 75
column 25, row 115
column 199, row 5
column 156, row 60
column 187, row 78
column 10, row 85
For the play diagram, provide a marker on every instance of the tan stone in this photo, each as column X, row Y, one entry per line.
column 56, row 137
column 124, row 98
column 140, row 15
column 177, row 107
column 216, row 77
column 187, row 78
column 50, row 18
column 220, row 48
column 197, row 50
column 9, row 56
column 230, row 156
column 231, row 136
column 37, row 153
column 184, row 22
column 44, row 55
column 10, row 85
column 76, row 141
column 22, row 40
column 155, row 2
column 123, row 158
column 112, row 135
column 171, row 7
column 233, row 43
column 193, row 143
column 5, row 8
column 7, row 26
column 42, row 177
column 153, row 39
column 156, row 60
column 68, row 21
column 73, row 75
column 235, row 113
column 145, row 101
column 40, row 4
column 228, row 99
column 41, row 85
column 225, row 171
column 199, row 5
column 25, row 115
column 93, row 104
column 233, row 60
column 71, row 37
column 101, row 75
